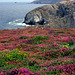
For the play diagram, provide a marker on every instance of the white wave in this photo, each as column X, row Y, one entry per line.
column 22, row 24
column 9, row 22
column 18, row 22
column 14, row 21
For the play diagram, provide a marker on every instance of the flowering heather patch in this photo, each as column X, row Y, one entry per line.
column 37, row 51
column 21, row 71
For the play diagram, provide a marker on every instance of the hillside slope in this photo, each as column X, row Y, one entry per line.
column 46, row 1
column 58, row 15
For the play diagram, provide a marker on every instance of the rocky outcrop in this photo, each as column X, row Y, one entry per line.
column 58, row 15
column 46, row 1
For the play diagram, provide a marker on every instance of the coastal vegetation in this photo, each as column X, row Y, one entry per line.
column 36, row 51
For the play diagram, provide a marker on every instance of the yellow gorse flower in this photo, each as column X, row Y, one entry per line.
column 63, row 62
column 1, row 72
column 26, row 32
column 45, row 68
column 17, row 49
column 12, row 39
column 36, row 53
column 20, row 48
column 66, row 46
column 25, row 54
column 6, row 62
column 30, row 55
column 19, row 53
column 44, row 50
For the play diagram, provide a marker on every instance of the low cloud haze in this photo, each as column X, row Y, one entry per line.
column 16, row 0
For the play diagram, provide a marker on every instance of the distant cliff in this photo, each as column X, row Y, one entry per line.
column 60, row 15
column 46, row 1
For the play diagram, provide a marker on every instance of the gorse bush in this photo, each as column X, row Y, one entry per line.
column 71, row 43
column 23, row 37
column 38, row 39
column 14, row 55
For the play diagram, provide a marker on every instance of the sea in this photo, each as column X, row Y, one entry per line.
column 12, row 14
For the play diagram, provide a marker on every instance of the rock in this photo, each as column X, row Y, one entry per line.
column 60, row 15
column 33, row 17
column 46, row 1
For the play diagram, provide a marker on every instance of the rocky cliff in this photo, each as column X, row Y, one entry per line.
column 58, row 15
column 46, row 1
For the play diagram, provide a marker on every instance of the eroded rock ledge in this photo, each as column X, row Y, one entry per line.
column 60, row 15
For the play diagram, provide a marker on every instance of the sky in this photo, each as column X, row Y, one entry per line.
column 16, row 0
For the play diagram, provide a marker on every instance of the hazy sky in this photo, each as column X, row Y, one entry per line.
column 16, row 0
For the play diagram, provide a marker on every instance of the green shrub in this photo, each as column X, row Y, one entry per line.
column 71, row 43
column 38, row 39
column 12, row 56
column 23, row 37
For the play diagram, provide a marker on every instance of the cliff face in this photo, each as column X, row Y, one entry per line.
column 58, row 15
column 46, row 1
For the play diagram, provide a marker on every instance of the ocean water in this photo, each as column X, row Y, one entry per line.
column 12, row 14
